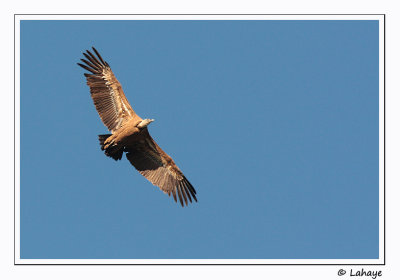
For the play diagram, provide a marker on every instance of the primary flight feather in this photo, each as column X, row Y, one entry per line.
column 130, row 133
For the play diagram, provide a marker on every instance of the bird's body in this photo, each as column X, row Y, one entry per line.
column 129, row 133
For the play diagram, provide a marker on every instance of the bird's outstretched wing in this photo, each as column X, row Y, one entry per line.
column 107, row 94
column 159, row 168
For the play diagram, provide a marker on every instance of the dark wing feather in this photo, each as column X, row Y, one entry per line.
column 159, row 168
column 107, row 94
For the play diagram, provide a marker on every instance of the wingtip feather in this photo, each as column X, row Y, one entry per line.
column 180, row 195
column 87, row 68
column 99, row 56
column 187, row 191
column 183, row 193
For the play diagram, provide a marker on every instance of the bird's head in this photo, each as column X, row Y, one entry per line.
column 145, row 123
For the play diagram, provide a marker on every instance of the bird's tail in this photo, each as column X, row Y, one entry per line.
column 114, row 152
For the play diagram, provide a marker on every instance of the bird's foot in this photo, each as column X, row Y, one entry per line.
column 109, row 142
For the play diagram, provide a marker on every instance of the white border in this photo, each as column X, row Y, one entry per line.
column 380, row 18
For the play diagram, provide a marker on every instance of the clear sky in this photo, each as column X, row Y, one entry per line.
column 275, row 123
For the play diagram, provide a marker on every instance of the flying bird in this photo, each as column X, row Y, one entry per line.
column 129, row 132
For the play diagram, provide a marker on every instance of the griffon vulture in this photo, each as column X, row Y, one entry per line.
column 130, row 133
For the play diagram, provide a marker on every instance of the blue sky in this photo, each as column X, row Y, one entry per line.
column 275, row 123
